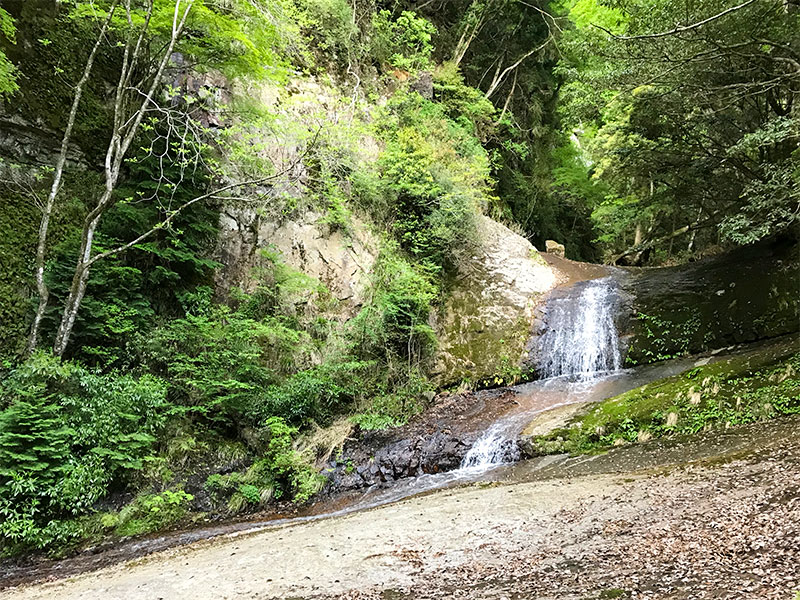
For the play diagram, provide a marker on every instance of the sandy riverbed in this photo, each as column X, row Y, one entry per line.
column 718, row 528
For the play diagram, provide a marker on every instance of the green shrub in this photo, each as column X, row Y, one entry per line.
column 293, row 475
column 466, row 105
column 281, row 472
column 152, row 512
column 394, row 324
column 436, row 176
column 405, row 42
column 66, row 434
column 217, row 363
column 316, row 393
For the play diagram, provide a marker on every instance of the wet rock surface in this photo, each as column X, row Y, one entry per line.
column 745, row 295
column 434, row 442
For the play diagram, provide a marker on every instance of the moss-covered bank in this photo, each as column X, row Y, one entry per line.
column 751, row 386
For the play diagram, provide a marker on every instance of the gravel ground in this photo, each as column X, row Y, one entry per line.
column 711, row 529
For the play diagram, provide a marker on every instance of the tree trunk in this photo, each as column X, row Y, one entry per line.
column 47, row 211
column 125, row 129
column 79, row 280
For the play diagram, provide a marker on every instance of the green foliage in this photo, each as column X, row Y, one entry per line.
column 394, row 327
column 151, row 512
column 331, row 23
column 66, row 434
column 294, row 476
column 126, row 291
column 18, row 223
column 317, row 393
column 664, row 338
column 394, row 410
column 463, row 104
column 218, row 362
column 281, row 472
column 437, row 178
column 8, row 72
column 405, row 42
column 239, row 491
column 674, row 155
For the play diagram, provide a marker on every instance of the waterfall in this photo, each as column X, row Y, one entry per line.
column 580, row 340
column 492, row 448
column 581, row 337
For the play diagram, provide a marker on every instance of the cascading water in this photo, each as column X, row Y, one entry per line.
column 581, row 338
column 492, row 448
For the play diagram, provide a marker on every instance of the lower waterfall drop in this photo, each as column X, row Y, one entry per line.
column 492, row 448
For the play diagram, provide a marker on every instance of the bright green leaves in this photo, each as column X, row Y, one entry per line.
column 405, row 42
column 694, row 128
column 394, row 325
column 8, row 72
column 65, row 434
column 585, row 14
column 437, row 177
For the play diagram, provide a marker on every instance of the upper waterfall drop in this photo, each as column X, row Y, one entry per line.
column 581, row 337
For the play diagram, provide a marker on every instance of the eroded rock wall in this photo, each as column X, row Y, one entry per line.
column 342, row 262
column 746, row 295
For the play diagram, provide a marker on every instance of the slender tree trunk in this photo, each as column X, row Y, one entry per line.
column 47, row 211
column 469, row 35
column 694, row 233
column 80, row 279
column 126, row 127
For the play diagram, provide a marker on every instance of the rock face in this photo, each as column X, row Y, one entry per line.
column 486, row 321
column 748, row 294
column 435, row 442
column 340, row 262
column 553, row 247
column 34, row 146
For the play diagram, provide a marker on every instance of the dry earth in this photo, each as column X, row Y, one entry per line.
column 710, row 529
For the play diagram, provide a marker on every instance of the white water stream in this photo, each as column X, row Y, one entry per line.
column 581, row 338
column 580, row 344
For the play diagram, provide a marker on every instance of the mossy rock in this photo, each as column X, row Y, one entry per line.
column 754, row 385
column 486, row 320
column 746, row 295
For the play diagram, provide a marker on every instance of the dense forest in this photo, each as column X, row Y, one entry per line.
column 141, row 370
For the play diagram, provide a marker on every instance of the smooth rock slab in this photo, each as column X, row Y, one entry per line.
column 488, row 316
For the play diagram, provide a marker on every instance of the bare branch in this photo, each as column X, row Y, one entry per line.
column 679, row 29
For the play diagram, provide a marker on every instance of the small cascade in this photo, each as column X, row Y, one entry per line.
column 492, row 448
column 581, row 337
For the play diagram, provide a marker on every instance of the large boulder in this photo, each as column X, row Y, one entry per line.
column 487, row 318
column 553, row 247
